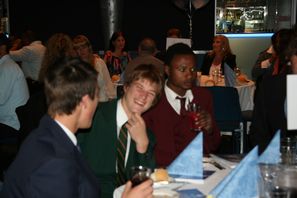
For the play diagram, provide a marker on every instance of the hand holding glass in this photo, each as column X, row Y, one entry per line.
column 139, row 174
column 194, row 113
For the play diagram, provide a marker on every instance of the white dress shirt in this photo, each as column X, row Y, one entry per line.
column 31, row 57
column 175, row 103
column 13, row 91
column 107, row 88
column 68, row 133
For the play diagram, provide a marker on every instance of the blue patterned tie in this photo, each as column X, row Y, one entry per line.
column 121, row 152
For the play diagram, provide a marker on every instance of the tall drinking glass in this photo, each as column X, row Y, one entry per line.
column 193, row 112
column 237, row 71
column 285, row 182
column 139, row 174
column 215, row 76
column 288, row 151
column 268, row 174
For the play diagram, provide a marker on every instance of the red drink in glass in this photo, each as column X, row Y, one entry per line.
column 193, row 114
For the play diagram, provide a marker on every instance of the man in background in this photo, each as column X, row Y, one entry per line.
column 146, row 55
column 30, row 55
column 13, row 91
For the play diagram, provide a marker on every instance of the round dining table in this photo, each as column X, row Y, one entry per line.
column 246, row 89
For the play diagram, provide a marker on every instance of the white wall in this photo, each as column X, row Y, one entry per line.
column 247, row 50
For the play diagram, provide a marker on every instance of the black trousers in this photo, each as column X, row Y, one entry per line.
column 7, row 132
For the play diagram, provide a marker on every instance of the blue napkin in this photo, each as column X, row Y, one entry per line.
column 242, row 180
column 230, row 76
column 271, row 155
column 190, row 193
column 189, row 162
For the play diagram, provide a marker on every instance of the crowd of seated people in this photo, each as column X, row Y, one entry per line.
column 150, row 107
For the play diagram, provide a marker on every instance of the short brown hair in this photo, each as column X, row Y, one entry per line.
column 149, row 72
column 66, row 82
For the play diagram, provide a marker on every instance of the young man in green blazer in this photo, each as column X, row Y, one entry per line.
column 99, row 144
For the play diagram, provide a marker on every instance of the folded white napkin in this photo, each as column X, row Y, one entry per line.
column 189, row 162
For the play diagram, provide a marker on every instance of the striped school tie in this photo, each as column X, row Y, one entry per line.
column 121, row 152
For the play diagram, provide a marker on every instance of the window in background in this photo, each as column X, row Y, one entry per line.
column 4, row 23
column 254, row 16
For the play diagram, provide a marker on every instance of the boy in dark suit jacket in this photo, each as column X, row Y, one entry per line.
column 49, row 163
column 100, row 144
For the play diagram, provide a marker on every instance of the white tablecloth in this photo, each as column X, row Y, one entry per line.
column 245, row 91
column 205, row 187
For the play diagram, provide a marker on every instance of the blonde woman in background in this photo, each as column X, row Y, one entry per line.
column 84, row 50
column 219, row 55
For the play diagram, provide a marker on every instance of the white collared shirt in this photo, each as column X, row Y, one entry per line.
column 31, row 57
column 68, row 133
column 122, row 118
column 175, row 103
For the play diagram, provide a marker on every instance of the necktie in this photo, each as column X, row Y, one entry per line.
column 121, row 152
column 182, row 105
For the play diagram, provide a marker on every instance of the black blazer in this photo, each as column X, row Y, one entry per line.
column 207, row 62
column 49, row 165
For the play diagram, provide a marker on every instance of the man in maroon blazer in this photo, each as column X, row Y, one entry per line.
column 167, row 120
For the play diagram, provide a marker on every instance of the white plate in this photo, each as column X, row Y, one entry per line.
column 170, row 186
column 161, row 193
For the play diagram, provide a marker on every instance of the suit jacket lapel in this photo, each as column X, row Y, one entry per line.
column 64, row 142
column 58, row 134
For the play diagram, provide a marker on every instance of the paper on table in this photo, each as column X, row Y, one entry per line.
column 291, row 102
column 171, row 41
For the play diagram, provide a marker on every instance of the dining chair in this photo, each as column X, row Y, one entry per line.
column 30, row 114
column 120, row 91
column 228, row 117
column 247, row 117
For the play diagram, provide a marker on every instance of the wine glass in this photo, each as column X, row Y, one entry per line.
column 215, row 76
column 285, row 182
column 268, row 173
column 237, row 71
column 288, row 151
column 199, row 74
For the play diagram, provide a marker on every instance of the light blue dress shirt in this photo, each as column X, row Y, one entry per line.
column 13, row 91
